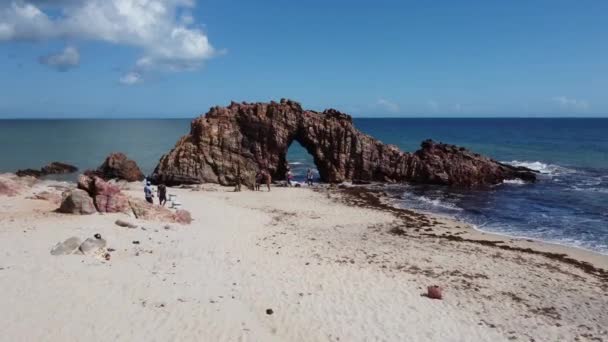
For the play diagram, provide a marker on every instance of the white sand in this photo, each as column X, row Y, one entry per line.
column 330, row 272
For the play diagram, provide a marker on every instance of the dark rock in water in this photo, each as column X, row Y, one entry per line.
column 29, row 172
column 77, row 201
column 54, row 168
column 117, row 165
column 242, row 138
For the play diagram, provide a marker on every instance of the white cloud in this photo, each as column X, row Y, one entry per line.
column 571, row 104
column 168, row 38
column 62, row 61
column 388, row 105
column 130, row 78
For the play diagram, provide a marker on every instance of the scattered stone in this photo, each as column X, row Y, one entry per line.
column 146, row 211
column 269, row 311
column 52, row 197
column 92, row 246
column 66, row 247
column 77, row 201
column 126, row 224
column 136, row 242
column 434, row 292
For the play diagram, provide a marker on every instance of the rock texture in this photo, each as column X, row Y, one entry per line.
column 54, row 168
column 107, row 197
column 117, row 165
column 77, row 201
column 236, row 141
column 146, row 211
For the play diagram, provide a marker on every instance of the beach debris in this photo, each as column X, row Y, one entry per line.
column 269, row 311
column 118, row 165
column 136, row 242
column 66, row 247
column 434, row 292
column 77, row 201
column 126, row 224
column 107, row 256
column 97, row 236
column 94, row 245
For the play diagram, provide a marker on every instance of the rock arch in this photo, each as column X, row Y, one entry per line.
column 245, row 137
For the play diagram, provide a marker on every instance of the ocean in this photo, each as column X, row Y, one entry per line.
column 568, row 205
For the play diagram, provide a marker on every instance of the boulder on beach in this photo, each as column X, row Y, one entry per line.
column 146, row 211
column 126, row 224
column 118, row 166
column 107, row 197
column 77, row 201
column 236, row 141
column 92, row 246
column 69, row 246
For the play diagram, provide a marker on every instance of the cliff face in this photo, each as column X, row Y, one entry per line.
column 243, row 138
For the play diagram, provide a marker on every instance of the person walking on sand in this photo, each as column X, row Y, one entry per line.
column 309, row 177
column 148, row 193
column 162, row 194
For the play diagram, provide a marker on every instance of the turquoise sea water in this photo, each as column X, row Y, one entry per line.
column 568, row 205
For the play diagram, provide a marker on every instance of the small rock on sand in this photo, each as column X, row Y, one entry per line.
column 123, row 223
column 92, row 246
column 68, row 246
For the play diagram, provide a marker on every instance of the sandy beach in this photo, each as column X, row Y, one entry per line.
column 331, row 265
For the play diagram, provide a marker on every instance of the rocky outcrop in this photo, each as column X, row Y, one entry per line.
column 107, row 197
column 78, row 202
column 236, row 141
column 118, row 166
column 54, row 168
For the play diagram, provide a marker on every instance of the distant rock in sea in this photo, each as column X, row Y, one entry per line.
column 54, row 168
column 236, row 141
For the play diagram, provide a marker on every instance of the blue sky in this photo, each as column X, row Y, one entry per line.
column 177, row 58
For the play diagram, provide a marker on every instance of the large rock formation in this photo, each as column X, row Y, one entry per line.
column 242, row 138
column 117, row 165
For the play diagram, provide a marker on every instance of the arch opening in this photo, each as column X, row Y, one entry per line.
column 298, row 159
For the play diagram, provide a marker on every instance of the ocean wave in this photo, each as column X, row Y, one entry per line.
column 437, row 203
column 295, row 163
column 543, row 168
column 514, row 181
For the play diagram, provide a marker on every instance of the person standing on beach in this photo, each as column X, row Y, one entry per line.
column 288, row 176
column 162, row 194
column 268, row 179
column 258, row 180
column 309, row 177
column 148, row 193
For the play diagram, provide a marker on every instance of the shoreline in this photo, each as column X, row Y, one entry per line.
column 332, row 264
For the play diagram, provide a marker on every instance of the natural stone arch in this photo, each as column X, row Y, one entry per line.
column 243, row 138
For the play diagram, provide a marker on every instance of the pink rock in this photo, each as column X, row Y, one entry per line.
column 9, row 187
column 183, row 217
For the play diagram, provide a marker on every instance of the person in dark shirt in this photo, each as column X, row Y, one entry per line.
column 162, row 194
